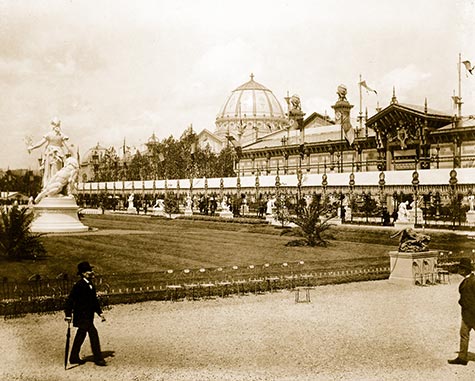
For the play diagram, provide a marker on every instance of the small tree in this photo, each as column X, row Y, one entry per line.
column 16, row 240
column 170, row 204
column 312, row 221
column 282, row 213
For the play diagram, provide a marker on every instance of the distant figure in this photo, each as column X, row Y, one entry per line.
column 55, row 151
column 402, row 215
column 467, row 302
column 411, row 241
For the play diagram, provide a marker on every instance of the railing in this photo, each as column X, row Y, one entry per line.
column 48, row 295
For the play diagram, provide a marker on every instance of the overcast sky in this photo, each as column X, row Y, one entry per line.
column 126, row 69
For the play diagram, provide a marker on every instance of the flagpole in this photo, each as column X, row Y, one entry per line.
column 361, row 106
column 459, row 103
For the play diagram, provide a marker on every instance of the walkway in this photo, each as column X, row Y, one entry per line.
column 359, row 331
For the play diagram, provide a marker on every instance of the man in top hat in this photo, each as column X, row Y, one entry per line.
column 82, row 303
column 467, row 301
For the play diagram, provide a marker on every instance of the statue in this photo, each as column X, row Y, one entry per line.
column 224, row 204
column 402, row 214
column 189, row 202
column 131, row 201
column 411, row 241
column 65, row 177
column 270, row 206
column 341, row 92
column 55, row 151
column 471, row 198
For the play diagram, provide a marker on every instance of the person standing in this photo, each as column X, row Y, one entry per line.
column 82, row 303
column 467, row 302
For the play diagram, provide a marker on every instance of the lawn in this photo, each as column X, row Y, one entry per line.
column 141, row 244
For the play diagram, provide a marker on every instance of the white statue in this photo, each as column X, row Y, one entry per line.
column 131, row 201
column 224, row 204
column 270, row 206
column 402, row 214
column 66, row 176
column 55, row 151
column 189, row 202
column 471, row 199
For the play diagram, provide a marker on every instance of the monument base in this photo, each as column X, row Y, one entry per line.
column 57, row 214
column 225, row 214
column 471, row 217
column 188, row 212
column 410, row 268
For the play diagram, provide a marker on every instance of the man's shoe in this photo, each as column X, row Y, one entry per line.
column 458, row 361
column 77, row 361
column 100, row 363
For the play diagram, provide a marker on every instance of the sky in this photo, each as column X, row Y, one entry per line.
column 118, row 69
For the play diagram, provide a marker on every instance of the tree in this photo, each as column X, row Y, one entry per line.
column 16, row 240
column 312, row 221
column 171, row 204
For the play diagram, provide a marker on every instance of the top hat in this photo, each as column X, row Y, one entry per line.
column 83, row 267
column 466, row 263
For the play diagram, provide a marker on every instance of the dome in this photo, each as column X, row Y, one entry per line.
column 251, row 110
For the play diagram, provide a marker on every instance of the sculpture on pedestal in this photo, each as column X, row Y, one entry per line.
column 411, row 241
column 55, row 207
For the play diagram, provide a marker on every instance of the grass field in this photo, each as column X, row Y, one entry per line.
column 141, row 244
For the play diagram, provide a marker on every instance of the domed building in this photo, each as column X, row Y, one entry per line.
column 250, row 112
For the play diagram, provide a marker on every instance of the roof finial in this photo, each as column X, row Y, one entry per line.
column 252, row 76
column 425, row 106
column 394, row 99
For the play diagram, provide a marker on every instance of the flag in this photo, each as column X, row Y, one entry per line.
column 348, row 129
column 468, row 66
column 363, row 84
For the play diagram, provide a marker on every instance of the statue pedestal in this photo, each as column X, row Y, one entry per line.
column 225, row 214
column 412, row 216
column 410, row 268
column 471, row 217
column 57, row 214
column 188, row 211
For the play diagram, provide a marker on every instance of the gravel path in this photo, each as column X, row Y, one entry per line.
column 360, row 331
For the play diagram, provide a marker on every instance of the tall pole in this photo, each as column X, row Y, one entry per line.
column 361, row 105
column 459, row 100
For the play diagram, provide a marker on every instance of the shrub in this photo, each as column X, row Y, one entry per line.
column 311, row 223
column 16, row 240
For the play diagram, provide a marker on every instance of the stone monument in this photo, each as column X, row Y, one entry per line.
column 130, row 204
column 471, row 212
column 188, row 206
column 224, row 209
column 413, row 263
column 55, row 207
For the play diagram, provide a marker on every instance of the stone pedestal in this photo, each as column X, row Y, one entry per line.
column 225, row 213
column 413, row 267
column 471, row 217
column 188, row 211
column 57, row 214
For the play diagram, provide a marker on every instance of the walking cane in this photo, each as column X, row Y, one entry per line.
column 66, row 350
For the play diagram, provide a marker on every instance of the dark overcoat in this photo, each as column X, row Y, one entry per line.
column 467, row 300
column 82, row 303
